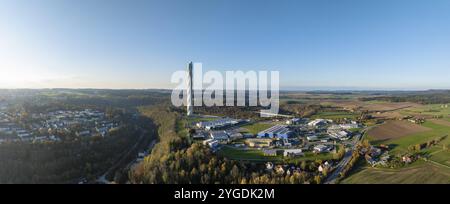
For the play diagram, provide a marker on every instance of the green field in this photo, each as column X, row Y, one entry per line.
column 258, row 155
column 251, row 155
column 334, row 115
column 432, row 109
column 255, row 128
column 400, row 145
column 435, row 170
column 419, row 173
column 441, row 156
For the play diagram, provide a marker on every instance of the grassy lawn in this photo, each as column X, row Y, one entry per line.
column 419, row 173
column 255, row 128
column 258, row 155
column 251, row 155
column 334, row 115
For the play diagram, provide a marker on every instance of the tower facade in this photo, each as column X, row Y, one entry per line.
column 190, row 91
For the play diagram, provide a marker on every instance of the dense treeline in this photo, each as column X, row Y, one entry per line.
column 426, row 97
column 302, row 110
column 427, row 144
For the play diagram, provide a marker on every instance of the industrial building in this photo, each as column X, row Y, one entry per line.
column 292, row 152
column 220, row 136
column 220, row 123
column 339, row 134
column 319, row 122
column 277, row 131
column 321, row 148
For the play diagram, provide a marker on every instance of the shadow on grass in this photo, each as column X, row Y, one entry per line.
column 382, row 142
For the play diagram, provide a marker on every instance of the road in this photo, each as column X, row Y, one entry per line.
column 102, row 179
column 333, row 178
column 335, row 175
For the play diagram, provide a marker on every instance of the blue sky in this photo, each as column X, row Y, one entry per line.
column 320, row 44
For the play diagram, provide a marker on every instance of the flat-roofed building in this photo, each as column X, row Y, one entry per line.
column 258, row 142
column 292, row 152
column 277, row 131
column 224, row 122
column 321, row 148
column 318, row 122
column 220, row 136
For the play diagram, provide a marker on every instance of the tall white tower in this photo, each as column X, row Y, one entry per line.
column 190, row 91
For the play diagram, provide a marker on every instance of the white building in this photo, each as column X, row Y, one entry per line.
column 349, row 126
column 293, row 121
column 319, row 122
column 208, row 125
column 293, row 152
column 211, row 143
column 312, row 138
column 320, row 148
column 339, row 134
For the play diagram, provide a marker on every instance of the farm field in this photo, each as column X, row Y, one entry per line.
column 441, row 122
column 401, row 144
column 388, row 106
column 430, row 110
column 396, row 129
column 435, row 170
column 441, row 157
column 418, row 173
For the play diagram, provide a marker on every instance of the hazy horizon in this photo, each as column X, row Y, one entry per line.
column 315, row 45
column 300, row 89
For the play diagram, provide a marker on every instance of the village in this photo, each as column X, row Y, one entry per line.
column 51, row 126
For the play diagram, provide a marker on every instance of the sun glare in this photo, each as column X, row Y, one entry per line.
column 14, row 79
